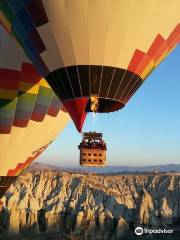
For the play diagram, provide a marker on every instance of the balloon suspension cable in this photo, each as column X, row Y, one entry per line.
column 94, row 115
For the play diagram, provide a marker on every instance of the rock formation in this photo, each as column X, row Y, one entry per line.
column 90, row 205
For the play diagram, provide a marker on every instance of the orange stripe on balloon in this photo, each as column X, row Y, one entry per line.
column 11, row 172
column 136, row 59
column 157, row 43
column 21, row 166
column 5, row 24
column 174, row 37
column 159, row 55
column 142, row 63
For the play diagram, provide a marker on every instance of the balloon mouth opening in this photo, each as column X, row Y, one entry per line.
column 80, row 106
column 102, row 105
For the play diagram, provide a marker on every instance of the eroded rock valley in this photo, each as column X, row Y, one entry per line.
column 91, row 206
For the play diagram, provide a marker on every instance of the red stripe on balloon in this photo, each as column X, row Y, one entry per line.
column 53, row 111
column 20, row 122
column 136, row 59
column 9, row 79
column 143, row 64
column 174, row 37
column 5, row 129
column 11, row 172
column 28, row 67
column 76, row 109
column 21, row 166
column 38, row 116
column 140, row 60
column 157, row 43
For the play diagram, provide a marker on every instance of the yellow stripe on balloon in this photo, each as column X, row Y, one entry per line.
column 161, row 58
column 8, row 94
column 171, row 49
column 17, row 43
column 29, row 87
column 7, row 26
column 147, row 70
column 18, row 172
column 43, row 83
column 25, row 166
column 5, row 22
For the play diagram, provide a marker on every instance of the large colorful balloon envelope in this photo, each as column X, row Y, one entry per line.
column 31, row 115
column 95, row 54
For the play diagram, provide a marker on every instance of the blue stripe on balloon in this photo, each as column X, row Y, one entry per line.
column 29, row 49
column 25, row 19
column 21, row 15
column 26, row 2
column 21, row 27
column 15, row 5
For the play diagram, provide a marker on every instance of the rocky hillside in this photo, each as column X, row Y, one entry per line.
column 91, row 206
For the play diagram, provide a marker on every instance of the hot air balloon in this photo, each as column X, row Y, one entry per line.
column 31, row 115
column 94, row 54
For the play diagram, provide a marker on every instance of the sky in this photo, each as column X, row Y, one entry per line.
column 145, row 132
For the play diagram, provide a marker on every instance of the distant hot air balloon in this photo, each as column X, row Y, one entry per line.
column 30, row 113
column 95, row 54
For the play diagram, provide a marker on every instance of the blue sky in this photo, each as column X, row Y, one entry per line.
column 145, row 132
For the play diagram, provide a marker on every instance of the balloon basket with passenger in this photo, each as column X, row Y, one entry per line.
column 92, row 150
